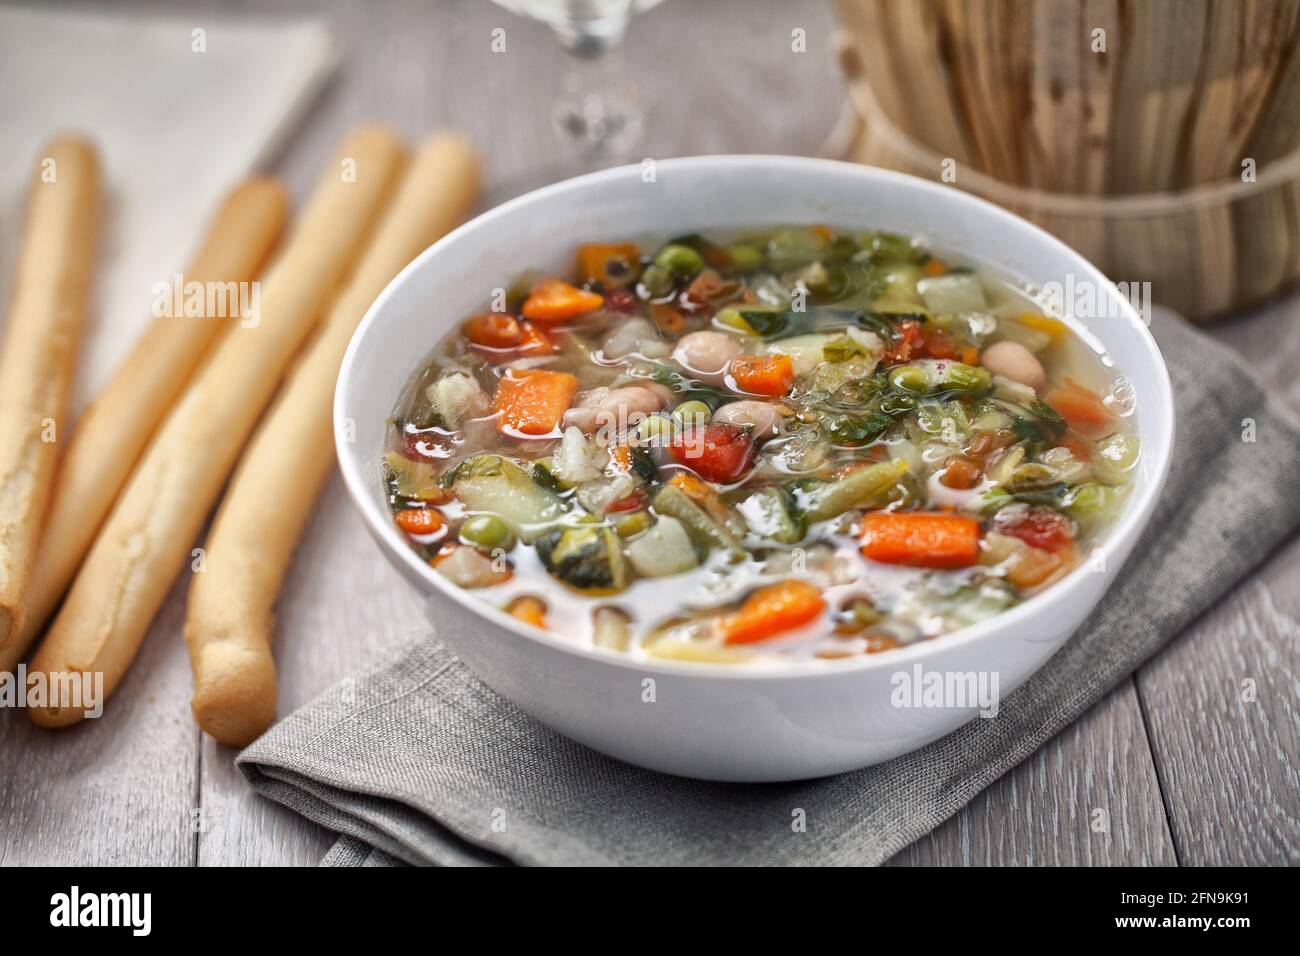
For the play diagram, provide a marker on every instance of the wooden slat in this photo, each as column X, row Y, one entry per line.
column 1089, row 797
column 117, row 791
column 1229, row 763
column 123, row 791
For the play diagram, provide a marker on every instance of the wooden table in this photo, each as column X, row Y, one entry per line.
column 1186, row 771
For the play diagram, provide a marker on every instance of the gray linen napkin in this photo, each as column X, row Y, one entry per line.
column 417, row 762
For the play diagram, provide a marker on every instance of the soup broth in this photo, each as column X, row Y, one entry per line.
column 808, row 442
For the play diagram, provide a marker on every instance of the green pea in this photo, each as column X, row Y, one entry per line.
column 655, row 426
column 681, row 260
column 745, row 258
column 692, row 413
column 658, row 280
column 488, row 532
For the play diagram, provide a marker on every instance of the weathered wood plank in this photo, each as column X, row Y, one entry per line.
column 1089, row 797
column 1225, row 726
column 115, row 791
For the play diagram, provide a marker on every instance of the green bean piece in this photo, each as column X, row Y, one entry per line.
column 867, row 487
column 703, row 528
column 768, row 513
column 940, row 375
column 911, row 378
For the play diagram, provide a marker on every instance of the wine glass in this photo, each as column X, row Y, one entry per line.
column 596, row 115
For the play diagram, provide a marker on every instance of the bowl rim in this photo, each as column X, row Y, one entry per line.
column 1156, row 436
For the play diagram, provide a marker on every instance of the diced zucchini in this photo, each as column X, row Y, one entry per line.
column 664, row 549
column 960, row 292
column 769, row 513
column 1116, row 456
column 866, row 487
column 900, row 296
column 1092, row 505
column 496, row 484
column 411, row 479
column 586, row 557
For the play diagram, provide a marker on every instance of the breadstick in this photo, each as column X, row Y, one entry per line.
column 229, row 620
column 110, row 436
column 148, row 536
column 51, row 285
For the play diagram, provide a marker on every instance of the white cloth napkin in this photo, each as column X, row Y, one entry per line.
column 180, row 107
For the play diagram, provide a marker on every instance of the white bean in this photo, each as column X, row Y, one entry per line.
column 705, row 355
column 1015, row 362
column 761, row 416
column 612, row 408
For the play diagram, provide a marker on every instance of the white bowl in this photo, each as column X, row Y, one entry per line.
column 716, row 721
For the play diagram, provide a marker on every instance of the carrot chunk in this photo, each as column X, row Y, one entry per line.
column 763, row 374
column 530, row 610
column 921, row 539
column 554, row 300
column 419, row 521
column 1081, row 407
column 933, row 267
column 532, row 403
column 771, row 610
column 607, row 263
column 499, row 336
column 494, row 330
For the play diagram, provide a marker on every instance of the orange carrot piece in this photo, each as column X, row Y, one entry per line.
column 494, row 330
column 770, row 611
column 921, row 539
column 667, row 317
column 962, row 473
column 933, row 267
column 419, row 521
column 530, row 610
column 554, row 300
column 533, row 403
column 1081, row 407
column 594, row 260
column 763, row 374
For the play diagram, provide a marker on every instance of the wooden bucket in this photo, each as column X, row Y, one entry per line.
column 1168, row 155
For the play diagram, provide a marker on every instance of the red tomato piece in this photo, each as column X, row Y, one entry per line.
column 1035, row 525
column 716, row 451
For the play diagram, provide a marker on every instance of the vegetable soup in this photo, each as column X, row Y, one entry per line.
column 801, row 443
